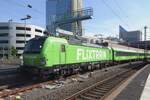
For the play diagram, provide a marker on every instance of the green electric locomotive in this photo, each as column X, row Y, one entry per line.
column 49, row 55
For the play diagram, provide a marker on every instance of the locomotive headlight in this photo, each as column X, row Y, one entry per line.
column 43, row 61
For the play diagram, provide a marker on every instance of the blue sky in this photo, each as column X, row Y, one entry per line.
column 131, row 14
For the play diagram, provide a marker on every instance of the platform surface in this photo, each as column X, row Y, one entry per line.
column 136, row 88
column 146, row 92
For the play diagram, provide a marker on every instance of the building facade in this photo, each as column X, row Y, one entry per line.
column 130, row 36
column 58, row 8
column 14, row 34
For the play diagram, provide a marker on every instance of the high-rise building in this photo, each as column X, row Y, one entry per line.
column 129, row 36
column 59, row 8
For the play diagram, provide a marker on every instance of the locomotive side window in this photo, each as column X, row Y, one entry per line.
column 63, row 48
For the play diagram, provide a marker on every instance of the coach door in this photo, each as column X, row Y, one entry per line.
column 62, row 54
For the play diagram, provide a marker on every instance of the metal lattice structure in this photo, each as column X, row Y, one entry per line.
column 74, row 17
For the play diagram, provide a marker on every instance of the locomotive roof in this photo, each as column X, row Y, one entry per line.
column 59, row 40
column 62, row 40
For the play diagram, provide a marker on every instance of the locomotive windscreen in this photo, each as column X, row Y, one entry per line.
column 34, row 45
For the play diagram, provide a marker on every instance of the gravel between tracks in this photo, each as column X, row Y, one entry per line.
column 70, row 88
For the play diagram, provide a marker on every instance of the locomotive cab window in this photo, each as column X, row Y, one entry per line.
column 34, row 45
column 63, row 48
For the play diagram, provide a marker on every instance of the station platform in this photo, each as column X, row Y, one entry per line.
column 135, row 88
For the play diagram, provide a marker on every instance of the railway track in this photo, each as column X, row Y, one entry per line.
column 12, row 83
column 5, row 74
column 24, row 86
column 7, row 77
column 20, row 88
column 11, row 79
column 90, row 92
column 102, row 89
column 8, row 71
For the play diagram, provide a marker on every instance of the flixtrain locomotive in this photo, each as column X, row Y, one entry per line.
column 45, row 56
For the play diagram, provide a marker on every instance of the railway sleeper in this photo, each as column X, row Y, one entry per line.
column 102, row 88
column 110, row 85
column 96, row 93
column 107, row 88
column 92, row 95
column 83, row 97
column 101, row 91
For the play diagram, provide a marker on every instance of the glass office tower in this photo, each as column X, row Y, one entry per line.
column 56, row 8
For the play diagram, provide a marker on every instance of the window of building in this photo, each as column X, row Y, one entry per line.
column 37, row 36
column 37, row 30
column 19, row 55
column 45, row 32
column 3, row 41
column 23, row 28
column 23, row 35
column 28, row 35
column 91, row 41
column 20, row 48
column 3, row 34
column 1, row 55
column 4, row 27
column 3, row 48
column 20, row 41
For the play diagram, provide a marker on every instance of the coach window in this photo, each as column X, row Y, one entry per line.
column 63, row 48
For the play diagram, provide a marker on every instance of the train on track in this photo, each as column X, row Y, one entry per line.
column 45, row 56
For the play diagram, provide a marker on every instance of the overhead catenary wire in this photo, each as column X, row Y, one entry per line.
column 31, row 7
column 120, row 8
column 34, row 12
column 114, row 12
column 24, row 5
column 123, row 11
column 10, row 12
